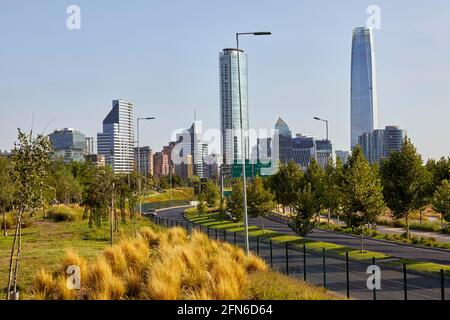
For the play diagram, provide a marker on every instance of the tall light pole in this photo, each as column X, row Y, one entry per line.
column 323, row 120
column 244, row 178
column 139, row 160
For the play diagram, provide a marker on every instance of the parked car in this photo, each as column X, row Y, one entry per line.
column 152, row 212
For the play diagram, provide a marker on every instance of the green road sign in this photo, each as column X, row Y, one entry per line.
column 251, row 169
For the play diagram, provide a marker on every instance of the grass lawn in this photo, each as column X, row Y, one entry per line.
column 213, row 221
column 171, row 194
column 45, row 242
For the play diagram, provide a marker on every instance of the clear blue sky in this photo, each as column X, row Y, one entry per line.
column 163, row 56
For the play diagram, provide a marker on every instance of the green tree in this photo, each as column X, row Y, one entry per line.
column 306, row 206
column 30, row 163
column 441, row 201
column 201, row 206
column 315, row 177
column 6, row 191
column 235, row 201
column 439, row 170
column 362, row 199
column 404, row 181
column 260, row 199
column 284, row 184
column 97, row 198
column 211, row 194
column 332, row 191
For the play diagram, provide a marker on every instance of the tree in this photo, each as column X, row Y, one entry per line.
column 30, row 163
column 362, row 199
column 260, row 199
column 306, row 206
column 201, row 206
column 332, row 191
column 439, row 170
column 235, row 201
column 404, row 181
column 441, row 201
column 284, row 184
column 211, row 193
column 6, row 191
column 97, row 197
column 315, row 177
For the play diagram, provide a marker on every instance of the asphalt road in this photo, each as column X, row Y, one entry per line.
column 420, row 287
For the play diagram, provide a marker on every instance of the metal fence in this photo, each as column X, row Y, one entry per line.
column 337, row 273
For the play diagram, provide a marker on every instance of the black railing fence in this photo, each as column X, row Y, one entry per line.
column 338, row 273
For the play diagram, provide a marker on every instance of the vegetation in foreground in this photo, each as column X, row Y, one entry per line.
column 170, row 264
column 44, row 243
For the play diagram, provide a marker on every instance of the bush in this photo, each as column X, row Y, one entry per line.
column 160, row 265
column 61, row 213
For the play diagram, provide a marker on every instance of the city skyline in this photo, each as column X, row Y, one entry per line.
column 69, row 71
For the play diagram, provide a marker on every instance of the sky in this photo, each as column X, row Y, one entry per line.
column 163, row 55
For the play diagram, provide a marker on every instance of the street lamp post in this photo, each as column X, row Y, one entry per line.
column 323, row 120
column 139, row 161
column 244, row 178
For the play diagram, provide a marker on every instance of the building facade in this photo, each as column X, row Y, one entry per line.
column 96, row 160
column 230, row 105
column 284, row 142
column 160, row 164
column 364, row 101
column 378, row 144
column 90, row 145
column 68, row 144
column 145, row 164
column 116, row 142
column 303, row 150
column 323, row 152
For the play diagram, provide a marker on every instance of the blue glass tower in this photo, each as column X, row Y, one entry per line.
column 364, row 102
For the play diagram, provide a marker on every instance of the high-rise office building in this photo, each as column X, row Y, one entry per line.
column 323, row 152
column 116, row 142
column 364, row 101
column 160, row 164
column 303, row 150
column 284, row 141
column 68, row 144
column 146, row 160
column 90, row 145
column 264, row 150
column 378, row 144
column 230, row 106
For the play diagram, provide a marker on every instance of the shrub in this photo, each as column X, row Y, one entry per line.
column 61, row 213
column 169, row 264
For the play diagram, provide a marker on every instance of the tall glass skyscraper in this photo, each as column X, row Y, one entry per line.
column 116, row 142
column 364, row 102
column 285, row 141
column 229, row 104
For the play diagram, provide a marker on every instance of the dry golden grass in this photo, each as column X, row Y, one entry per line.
column 159, row 265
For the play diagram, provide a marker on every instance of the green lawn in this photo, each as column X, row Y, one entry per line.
column 213, row 221
column 171, row 194
column 45, row 242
